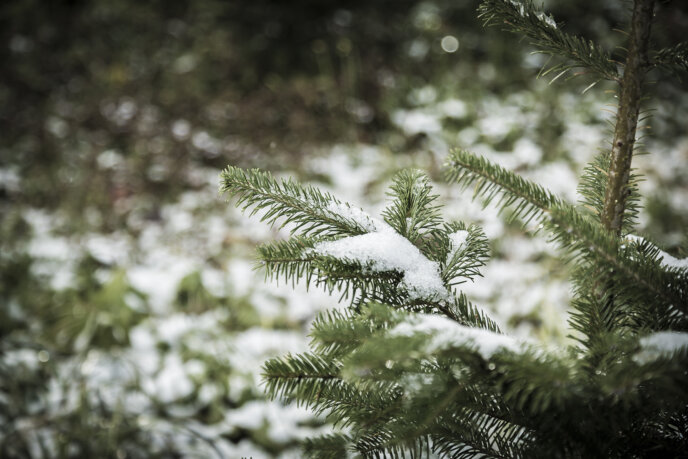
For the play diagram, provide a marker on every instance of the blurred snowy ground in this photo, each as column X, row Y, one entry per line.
column 200, row 320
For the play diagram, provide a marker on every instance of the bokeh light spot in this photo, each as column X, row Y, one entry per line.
column 450, row 44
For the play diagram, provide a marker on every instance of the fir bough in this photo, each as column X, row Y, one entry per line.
column 414, row 369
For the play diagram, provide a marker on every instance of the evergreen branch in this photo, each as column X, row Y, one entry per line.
column 390, row 441
column 300, row 376
column 462, row 262
column 307, row 379
column 352, row 278
column 637, row 276
column 294, row 259
column 479, row 397
column 634, row 380
column 523, row 18
column 313, row 212
column 469, row 433
column 418, row 338
column 447, row 407
column 403, row 383
column 385, row 437
column 653, row 268
column 412, row 213
column 360, row 407
column 674, row 59
column 448, row 443
column 330, row 446
column 337, row 333
column 593, row 184
column 492, row 181
column 535, row 383
column 289, row 259
column 465, row 313
column 596, row 319
column 456, row 308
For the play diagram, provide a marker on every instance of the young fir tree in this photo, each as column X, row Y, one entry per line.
column 413, row 368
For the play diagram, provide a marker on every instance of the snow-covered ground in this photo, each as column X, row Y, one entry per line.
column 206, row 319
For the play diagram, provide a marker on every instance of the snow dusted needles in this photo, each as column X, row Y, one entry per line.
column 386, row 250
column 411, row 241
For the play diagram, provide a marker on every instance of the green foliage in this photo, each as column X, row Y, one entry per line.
column 493, row 181
column 674, row 59
column 319, row 217
column 412, row 212
column 593, row 183
column 313, row 212
column 408, row 371
column 366, row 375
column 524, row 18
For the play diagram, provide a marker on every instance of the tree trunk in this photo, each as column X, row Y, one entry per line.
column 627, row 116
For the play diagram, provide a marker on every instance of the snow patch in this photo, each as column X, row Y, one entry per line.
column 453, row 108
column 660, row 344
column 547, row 19
column 386, row 250
column 356, row 215
column 519, row 6
column 414, row 122
column 445, row 334
column 457, row 240
column 171, row 383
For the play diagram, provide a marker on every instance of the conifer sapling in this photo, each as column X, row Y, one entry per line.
column 414, row 368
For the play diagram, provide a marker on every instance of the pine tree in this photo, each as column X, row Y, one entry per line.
column 413, row 368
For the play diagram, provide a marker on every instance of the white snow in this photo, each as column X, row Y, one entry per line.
column 159, row 281
column 528, row 152
column 110, row 159
column 673, row 262
column 356, row 215
column 250, row 415
column 171, row 383
column 445, row 334
column 241, row 277
column 453, row 108
column 386, row 250
column 351, row 171
column 10, row 178
column 557, row 177
column 415, row 383
column 660, row 344
column 215, row 281
column 282, row 421
column 547, row 19
column 111, row 249
column 418, row 121
column 519, row 5
column 58, row 248
column 250, row 348
column 457, row 239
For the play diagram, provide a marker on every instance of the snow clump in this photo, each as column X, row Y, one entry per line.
column 660, row 344
column 445, row 334
column 383, row 250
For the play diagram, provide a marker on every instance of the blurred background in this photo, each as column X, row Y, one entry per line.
column 132, row 322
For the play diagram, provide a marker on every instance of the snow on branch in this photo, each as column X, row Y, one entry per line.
column 665, row 260
column 445, row 334
column 385, row 250
column 457, row 240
